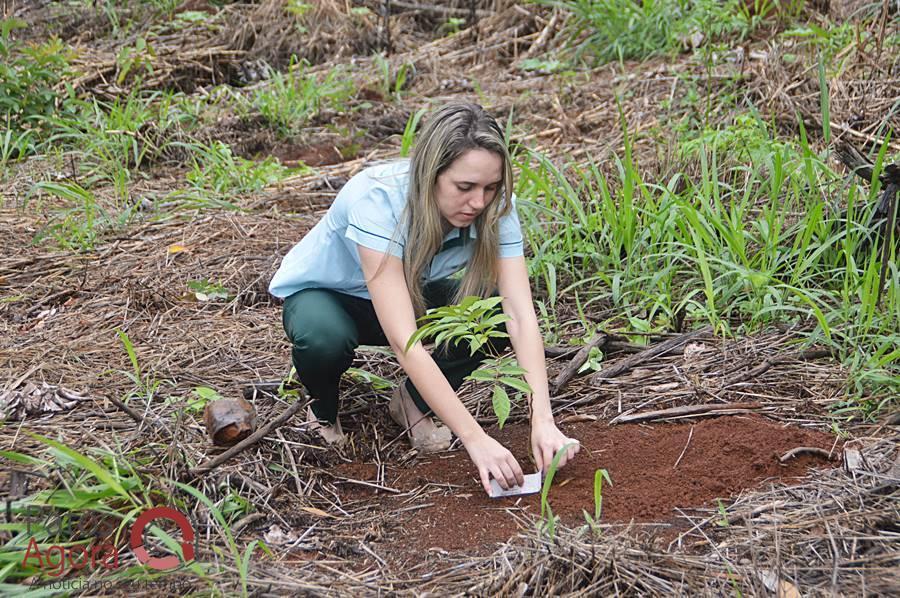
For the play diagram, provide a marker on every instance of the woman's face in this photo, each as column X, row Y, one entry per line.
column 468, row 185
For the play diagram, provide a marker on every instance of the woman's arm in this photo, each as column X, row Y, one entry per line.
column 390, row 297
column 525, row 336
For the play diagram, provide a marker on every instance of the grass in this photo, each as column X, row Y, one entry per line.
column 746, row 244
column 96, row 497
column 617, row 30
column 289, row 101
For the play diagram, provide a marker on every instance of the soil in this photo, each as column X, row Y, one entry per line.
column 725, row 456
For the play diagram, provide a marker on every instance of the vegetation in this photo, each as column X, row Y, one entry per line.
column 718, row 202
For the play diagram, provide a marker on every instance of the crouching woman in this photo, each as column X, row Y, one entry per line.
column 385, row 252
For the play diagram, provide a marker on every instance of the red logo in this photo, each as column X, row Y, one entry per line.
column 165, row 562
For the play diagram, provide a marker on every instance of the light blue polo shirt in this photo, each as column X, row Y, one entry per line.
column 366, row 212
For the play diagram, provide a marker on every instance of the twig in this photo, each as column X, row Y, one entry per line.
column 808, row 450
column 685, row 410
column 444, row 10
column 598, row 341
column 766, row 365
column 246, row 442
column 646, row 355
column 684, row 450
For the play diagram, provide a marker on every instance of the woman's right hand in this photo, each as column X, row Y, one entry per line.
column 494, row 460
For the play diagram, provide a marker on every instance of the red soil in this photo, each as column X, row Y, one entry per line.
column 725, row 456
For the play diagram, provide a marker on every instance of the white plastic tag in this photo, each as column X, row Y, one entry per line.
column 532, row 484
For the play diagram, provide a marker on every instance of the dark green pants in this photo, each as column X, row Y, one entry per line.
column 325, row 328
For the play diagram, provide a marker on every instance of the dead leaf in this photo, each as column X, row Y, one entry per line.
column 175, row 248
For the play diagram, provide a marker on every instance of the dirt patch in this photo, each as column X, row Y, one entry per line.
column 725, row 455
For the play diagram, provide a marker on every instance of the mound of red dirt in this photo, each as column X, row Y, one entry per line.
column 724, row 456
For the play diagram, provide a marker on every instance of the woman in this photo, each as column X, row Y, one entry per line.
column 382, row 255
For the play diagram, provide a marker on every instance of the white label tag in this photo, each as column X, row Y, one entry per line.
column 532, row 484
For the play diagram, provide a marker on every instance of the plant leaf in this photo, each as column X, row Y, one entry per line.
column 500, row 402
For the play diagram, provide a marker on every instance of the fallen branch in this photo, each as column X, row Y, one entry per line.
column 685, row 411
column 599, row 341
column 805, row 450
column 658, row 350
column 246, row 442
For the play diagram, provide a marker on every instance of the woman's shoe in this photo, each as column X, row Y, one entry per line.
column 424, row 435
column 331, row 434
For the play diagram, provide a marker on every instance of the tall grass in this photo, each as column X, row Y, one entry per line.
column 741, row 246
column 288, row 101
column 606, row 30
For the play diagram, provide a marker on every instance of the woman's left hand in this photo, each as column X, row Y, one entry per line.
column 546, row 439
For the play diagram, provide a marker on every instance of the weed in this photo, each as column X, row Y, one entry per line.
column 409, row 132
column 453, row 25
column 27, row 80
column 241, row 560
column 377, row 382
column 132, row 60
column 14, row 145
column 217, row 174
column 606, row 30
column 145, row 385
column 287, row 102
column 742, row 246
column 204, row 290
column 93, row 491
column 78, row 225
column 392, row 84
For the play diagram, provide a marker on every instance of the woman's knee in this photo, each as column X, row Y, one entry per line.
column 318, row 327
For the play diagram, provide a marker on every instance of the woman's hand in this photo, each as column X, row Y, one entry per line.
column 546, row 439
column 493, row 459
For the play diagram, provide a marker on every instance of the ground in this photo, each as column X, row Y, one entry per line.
column 169, row 294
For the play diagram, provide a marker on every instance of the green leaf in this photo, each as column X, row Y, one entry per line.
column 206, row 393
column 512, row 370
column 517, row 383
column 23, row 459
column 500, row 402
column 483, row 375
column 101, row 473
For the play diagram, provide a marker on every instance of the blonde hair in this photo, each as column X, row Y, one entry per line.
column 450, row 132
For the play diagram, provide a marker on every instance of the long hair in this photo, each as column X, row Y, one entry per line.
column 450, row 132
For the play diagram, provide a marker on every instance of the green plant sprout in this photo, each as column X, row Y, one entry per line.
column 201, row 396
column 391, row 84
column 475, row 321
column 146, row 386
column 594, row 520
column 593, row 361
column 723, row 514
column 409, row 132
column 548, row 520
column 204, row 290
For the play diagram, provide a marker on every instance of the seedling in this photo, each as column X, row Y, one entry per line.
column 723, row 522
column 599, row 476
column 475, row 321
column 548, row 519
